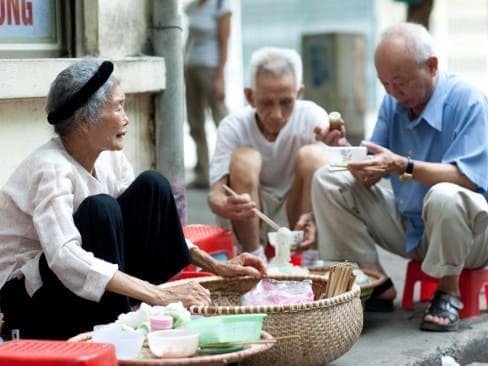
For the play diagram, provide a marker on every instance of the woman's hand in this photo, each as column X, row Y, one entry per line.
column 245, row 264
column 189, row 293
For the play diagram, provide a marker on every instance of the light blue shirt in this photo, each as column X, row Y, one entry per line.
column 453, row 128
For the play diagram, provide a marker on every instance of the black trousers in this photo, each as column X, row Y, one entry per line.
column 140, row 231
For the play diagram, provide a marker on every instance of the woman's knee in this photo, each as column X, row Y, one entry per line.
column 152, row 177
column 150, row 181
column 100, row 207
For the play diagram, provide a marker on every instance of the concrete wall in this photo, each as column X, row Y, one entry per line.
column 118, row 28
column 110, row 29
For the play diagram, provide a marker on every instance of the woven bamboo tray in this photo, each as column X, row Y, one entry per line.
column 326, row 328
column 147, row 359
column 366, row 289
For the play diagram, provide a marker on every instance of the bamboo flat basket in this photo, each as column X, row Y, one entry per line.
column 147, row 359
column 326, row 328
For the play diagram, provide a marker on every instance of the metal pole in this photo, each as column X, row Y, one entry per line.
column 170, row 114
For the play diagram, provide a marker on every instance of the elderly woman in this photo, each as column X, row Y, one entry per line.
column 78, row 234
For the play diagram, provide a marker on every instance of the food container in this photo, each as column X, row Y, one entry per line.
column 127, row 343
column 173, row 343
column 228, row 328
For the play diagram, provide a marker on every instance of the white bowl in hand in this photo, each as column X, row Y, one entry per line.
column 295, row 235
column 342, row 155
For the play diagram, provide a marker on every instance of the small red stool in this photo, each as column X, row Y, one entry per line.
column 216, row 241
column 26, row 352
column 470, row 283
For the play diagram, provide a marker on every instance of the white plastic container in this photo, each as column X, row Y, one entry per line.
column 127, row 343
column 173, row 343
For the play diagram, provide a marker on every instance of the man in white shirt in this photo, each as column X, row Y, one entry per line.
column 267, row 153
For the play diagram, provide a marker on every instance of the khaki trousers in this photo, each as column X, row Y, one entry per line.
column 352, row 219
column 199, row 96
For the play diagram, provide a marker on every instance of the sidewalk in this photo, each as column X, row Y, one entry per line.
column 393, row 339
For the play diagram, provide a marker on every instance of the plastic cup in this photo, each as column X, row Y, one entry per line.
column 127, row 343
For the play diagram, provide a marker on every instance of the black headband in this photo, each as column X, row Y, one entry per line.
column 81, row 96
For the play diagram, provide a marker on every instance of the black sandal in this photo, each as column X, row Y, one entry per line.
column 443, row 305
column 375, row 305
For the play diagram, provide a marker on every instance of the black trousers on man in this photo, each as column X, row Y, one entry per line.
column 140, row 231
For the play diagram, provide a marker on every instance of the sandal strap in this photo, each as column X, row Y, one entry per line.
column 444, row 305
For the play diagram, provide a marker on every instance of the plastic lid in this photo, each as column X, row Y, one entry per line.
column 334, row 115
column 161, row 322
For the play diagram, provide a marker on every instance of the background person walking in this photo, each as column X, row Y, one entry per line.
column 205, row 59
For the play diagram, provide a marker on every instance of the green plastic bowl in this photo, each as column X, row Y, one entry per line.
column 228, row 328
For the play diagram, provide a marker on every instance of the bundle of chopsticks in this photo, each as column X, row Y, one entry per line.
column 341, row 279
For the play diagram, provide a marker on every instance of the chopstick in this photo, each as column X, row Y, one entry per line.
column 374, row 168
column 258, row 213
column 238, row 343
column 341, row 279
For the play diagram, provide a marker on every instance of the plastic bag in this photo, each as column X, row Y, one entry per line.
column 273, row 292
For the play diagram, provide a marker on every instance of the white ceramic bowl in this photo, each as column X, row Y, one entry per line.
column 173, row 343
column 342, row 155
column 296, row 234
column 127, row 343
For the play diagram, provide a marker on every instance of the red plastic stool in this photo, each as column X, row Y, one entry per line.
column 470, row 283
column 27, row 352
column 216, row 241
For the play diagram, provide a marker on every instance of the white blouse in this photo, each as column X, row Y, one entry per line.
column 36, row 216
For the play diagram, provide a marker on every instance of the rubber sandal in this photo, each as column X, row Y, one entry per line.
column 375, row 305
column 446, row 306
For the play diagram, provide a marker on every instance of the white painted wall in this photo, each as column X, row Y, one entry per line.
column 112, row 29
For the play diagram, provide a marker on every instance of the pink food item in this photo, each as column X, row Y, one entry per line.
column 159, row 322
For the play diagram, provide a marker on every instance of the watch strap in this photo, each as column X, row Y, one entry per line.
column 409, row 168
column 408, row 173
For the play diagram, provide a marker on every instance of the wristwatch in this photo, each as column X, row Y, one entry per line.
column 408, row 173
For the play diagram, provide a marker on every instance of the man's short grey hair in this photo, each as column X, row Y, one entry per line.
column 418, row 40
column 69, row 81
column 277, row 62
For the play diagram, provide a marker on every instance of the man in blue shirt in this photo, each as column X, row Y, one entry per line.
column 431, row 141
